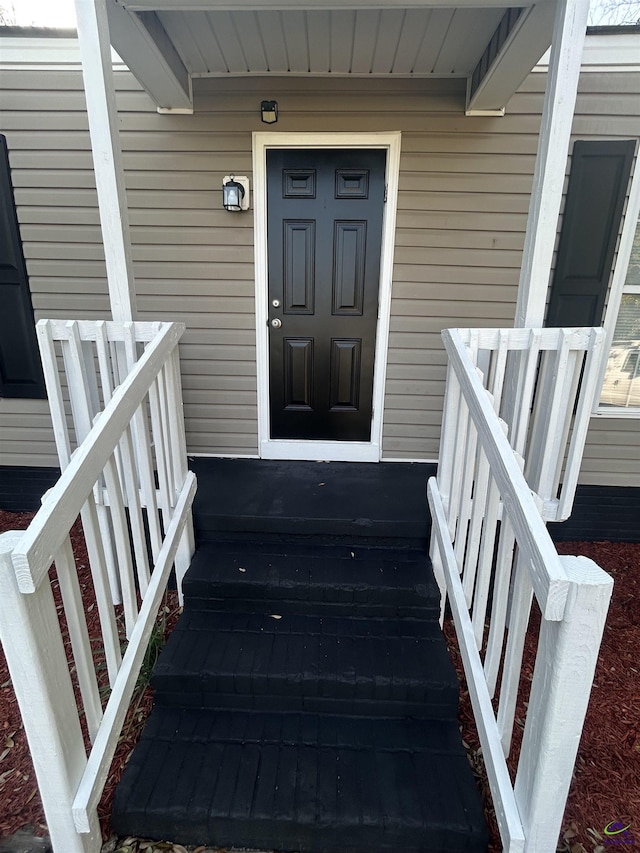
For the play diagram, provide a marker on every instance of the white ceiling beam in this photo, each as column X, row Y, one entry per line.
column 551, row 161
column 525, row 44
column 143, row 44
column 95, row 53
column 308, row 5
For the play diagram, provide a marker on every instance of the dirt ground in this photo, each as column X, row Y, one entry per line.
column 603, row 808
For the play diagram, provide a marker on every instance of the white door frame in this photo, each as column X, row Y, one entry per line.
column 340, row 451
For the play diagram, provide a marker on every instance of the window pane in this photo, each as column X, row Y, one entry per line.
column 621, row 385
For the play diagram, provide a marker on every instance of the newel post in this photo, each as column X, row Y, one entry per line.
column 562, row 679
column 30, row 636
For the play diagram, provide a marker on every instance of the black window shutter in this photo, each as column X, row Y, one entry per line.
column 593, row 209
column 20, row 369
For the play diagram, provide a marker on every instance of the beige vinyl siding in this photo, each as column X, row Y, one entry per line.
column 463, row 201
column 612, row 453
column 54, row 186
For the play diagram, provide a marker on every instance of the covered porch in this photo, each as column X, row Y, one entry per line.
column 433, row 65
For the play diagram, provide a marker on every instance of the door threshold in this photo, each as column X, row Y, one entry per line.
column 325, row 451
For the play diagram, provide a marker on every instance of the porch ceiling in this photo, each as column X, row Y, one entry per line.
column 494, row 46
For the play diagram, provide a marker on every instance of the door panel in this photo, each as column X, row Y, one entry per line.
column 324, row 221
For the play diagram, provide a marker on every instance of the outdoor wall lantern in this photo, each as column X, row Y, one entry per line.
column 269, row 112
column 235, row 193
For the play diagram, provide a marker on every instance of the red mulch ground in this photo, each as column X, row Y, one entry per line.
column 606, row 784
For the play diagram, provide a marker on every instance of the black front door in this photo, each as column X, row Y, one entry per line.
column 325, row 210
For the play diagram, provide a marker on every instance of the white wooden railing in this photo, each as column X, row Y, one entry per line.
column 516, row 412
column 125, row 473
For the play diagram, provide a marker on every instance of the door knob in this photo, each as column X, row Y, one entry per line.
column 276, row 323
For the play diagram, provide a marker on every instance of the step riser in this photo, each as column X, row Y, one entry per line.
column 266, row 834
column 307, row 608
column 433, row 708
column 329, row 532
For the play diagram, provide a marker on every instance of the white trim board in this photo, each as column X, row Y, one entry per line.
column 339, row 451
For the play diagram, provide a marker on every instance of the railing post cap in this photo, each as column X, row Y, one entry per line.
column 585, row 571
column 9, row 540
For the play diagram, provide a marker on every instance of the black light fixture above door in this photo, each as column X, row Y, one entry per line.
column 269, row 112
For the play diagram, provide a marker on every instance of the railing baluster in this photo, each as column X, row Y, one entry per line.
column 104, row 361
column 49, row 360
column 468, row 485
column 524, row 393
column 501, row 586
column 485, row 550
column 449, row 433
column 499, row 366
column 136, row 523
column 468, row 460
column 104, row 519
column 142, row 445
column 518, row 623
column 79, row 392
column 186, row 546
column 79, row 636
column 166, row 436
column 478, row 521
column 588, row 391
column 160, row 444
column 121, row 530
column 101, row 585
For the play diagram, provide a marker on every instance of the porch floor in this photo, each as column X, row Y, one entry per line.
column 306, row 701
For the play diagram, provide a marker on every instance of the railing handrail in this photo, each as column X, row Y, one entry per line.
column 38, row 545
column 548, row 577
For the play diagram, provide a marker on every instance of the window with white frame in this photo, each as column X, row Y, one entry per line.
column 620, row 395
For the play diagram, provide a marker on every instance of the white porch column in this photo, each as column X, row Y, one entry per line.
column 95, row 52
column 551, row 161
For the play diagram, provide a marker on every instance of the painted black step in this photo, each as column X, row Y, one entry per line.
column 301, row 782
column 304, row 662
column 379, row 581
column 353, row 500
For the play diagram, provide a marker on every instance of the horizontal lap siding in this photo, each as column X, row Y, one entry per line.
column 59, row 226
column 463, row 200
column 192, row 261
column 462, row 212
